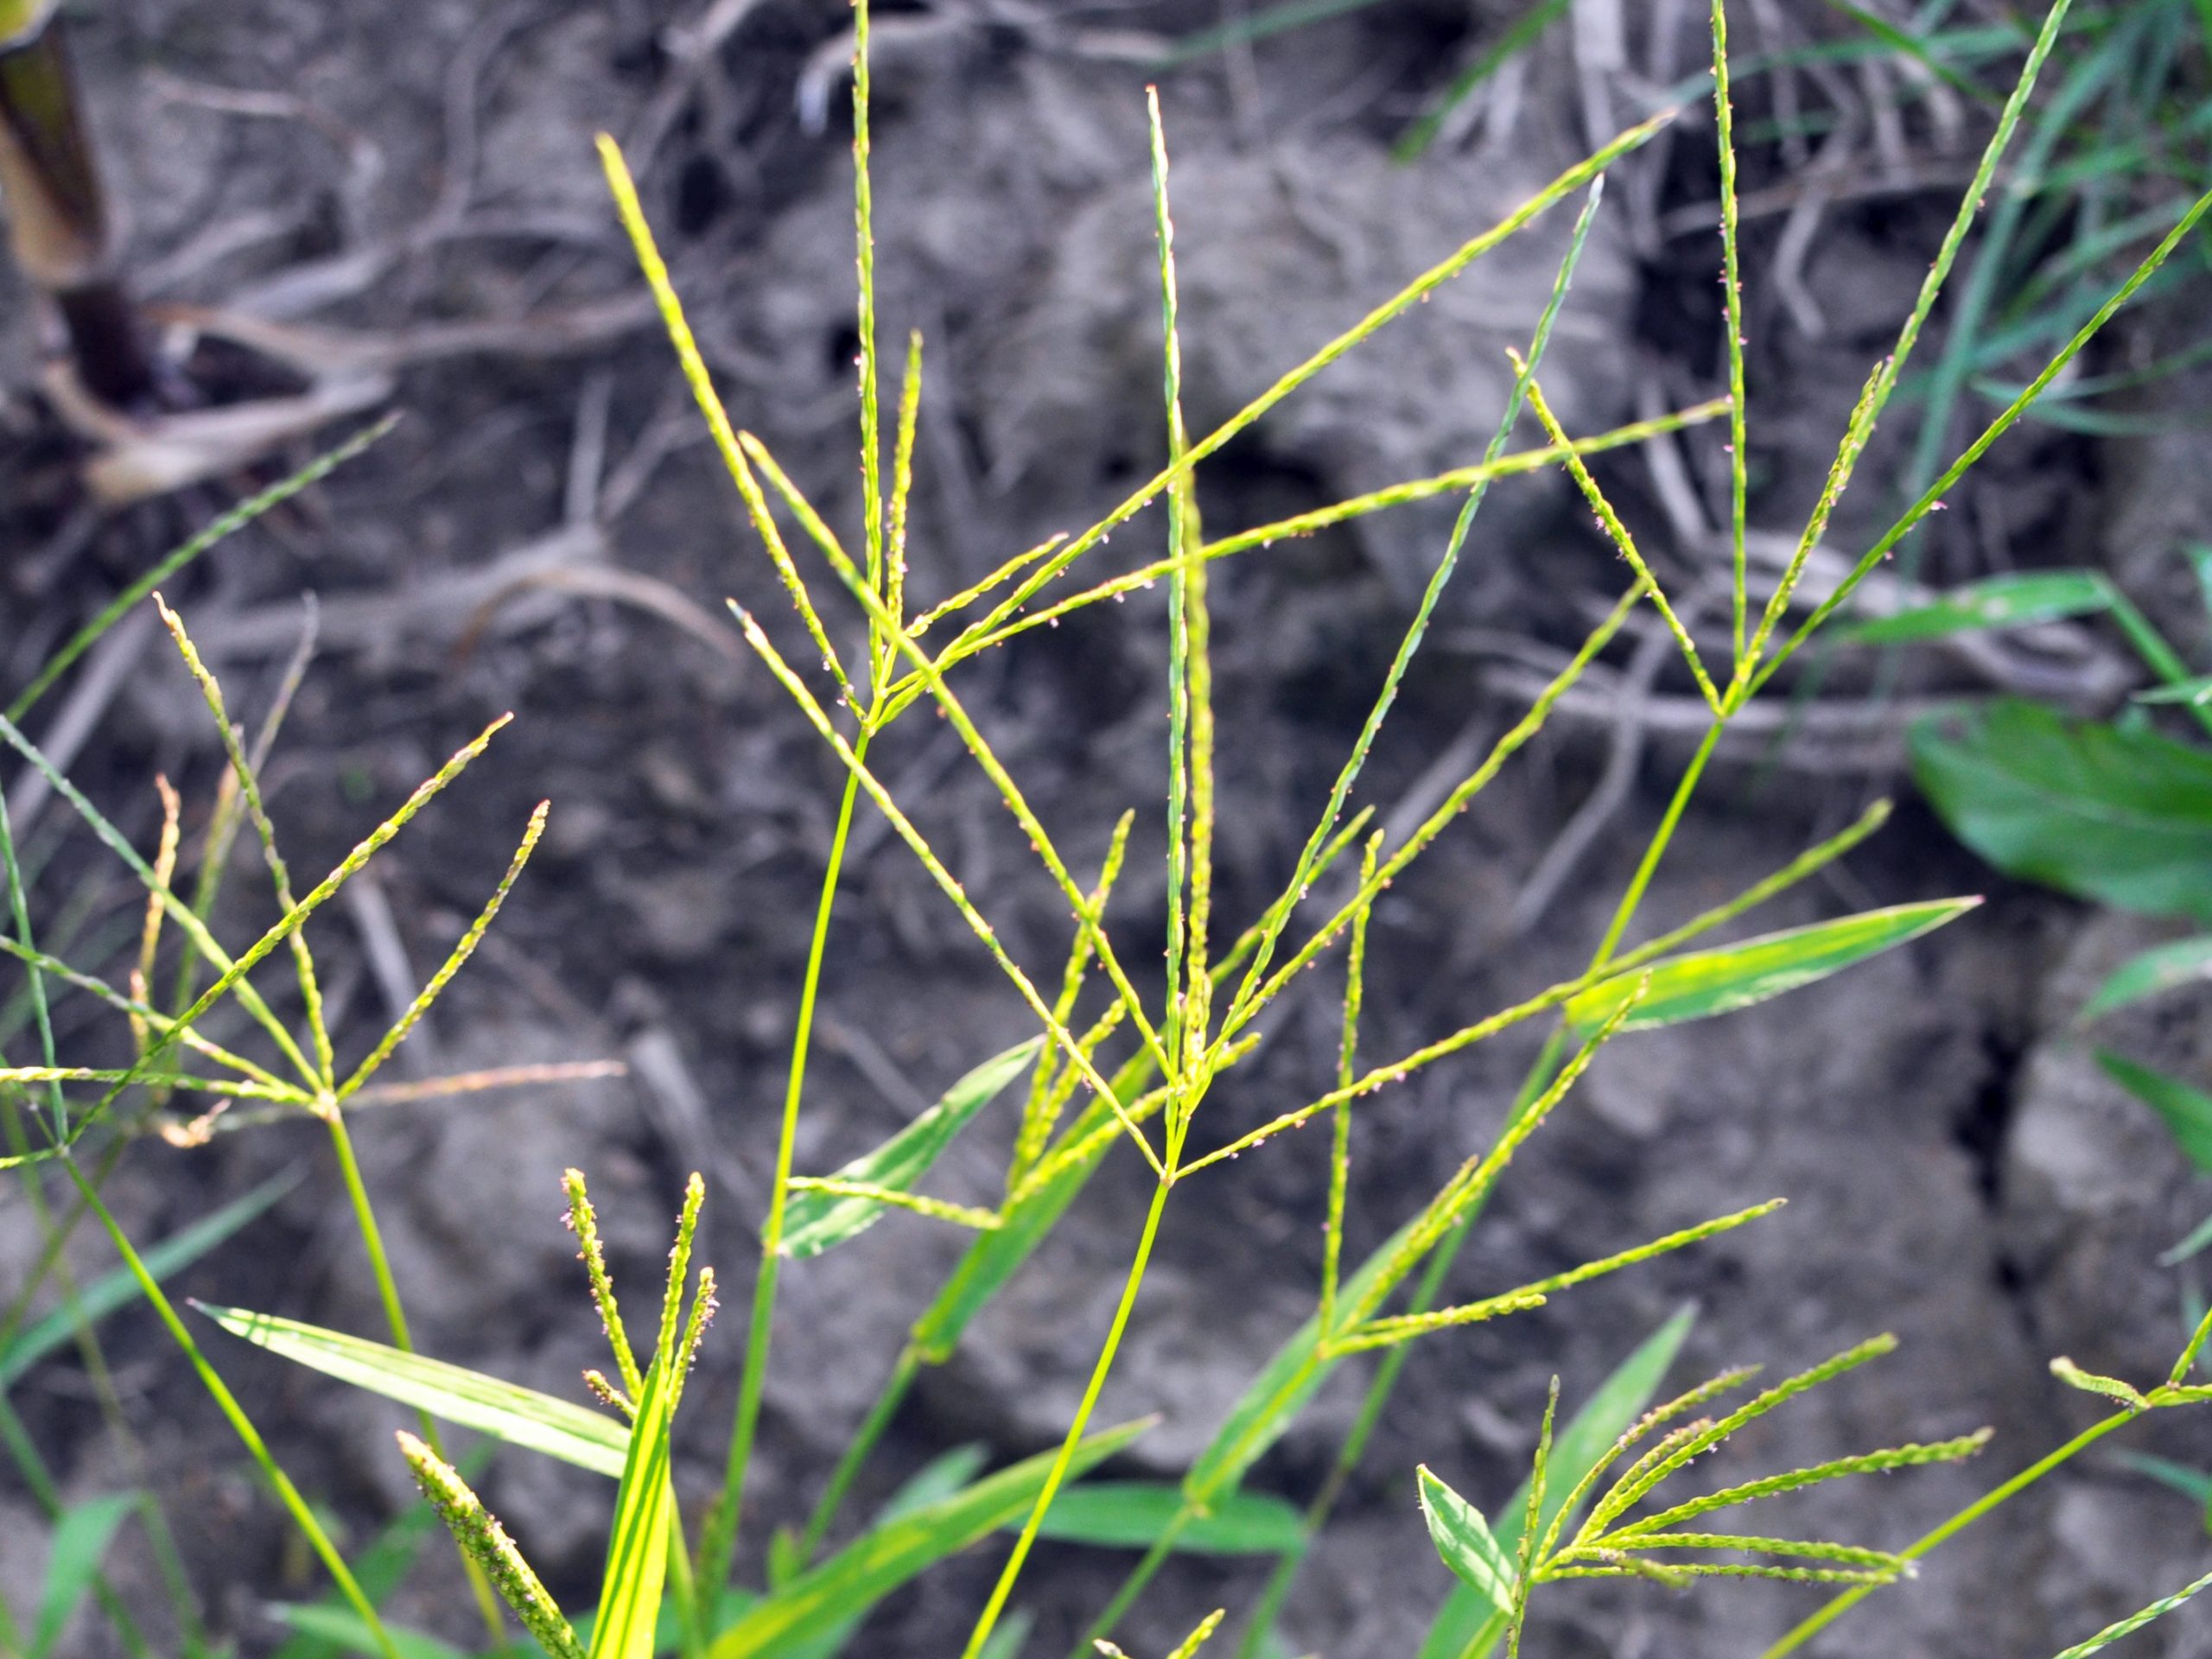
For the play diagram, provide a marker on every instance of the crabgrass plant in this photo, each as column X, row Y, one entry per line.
column 1108, row 1072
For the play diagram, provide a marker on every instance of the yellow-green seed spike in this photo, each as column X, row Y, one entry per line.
column 1188, row 1648
column 1041, row 1111
column 1732, row 287
column 1332, row 1245
column 864, row 264
column 696, row 375
column 583, row 1221
column 454, row 960
column 1617, row 532
column 249, row 791
column 902, row 490
column 819, row 719
column 486, row 1542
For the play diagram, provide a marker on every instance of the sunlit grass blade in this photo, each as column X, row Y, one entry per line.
column 1706, row 982
column 822, row 1215
column 466, row 1399
column 645, row 1515
column 1133, row 1514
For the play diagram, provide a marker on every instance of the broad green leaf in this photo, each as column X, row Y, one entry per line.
column 1464, row 1541
column 644, row 1517
column 885, row 1557
column 1467, row 1624
column 995, row 1256
column 467, row 1399
column 80, row 1538
column 2122, row 817
column 341, row 1628
column 2198, row 691
column 1133, row 1514
column 118, row 1289
column 813, row 1222
column 1704, row 982
column 2188, row 1111
column 2154, row 972
column 2009, row 601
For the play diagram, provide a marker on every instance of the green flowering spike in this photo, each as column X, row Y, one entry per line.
column 484, row 1541
column 583, row 1221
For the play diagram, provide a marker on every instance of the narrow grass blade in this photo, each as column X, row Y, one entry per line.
column 2153, row 973
column 637, row 1552
column 885, row 1557
column 1463, row 1539
column 80, row 1540
column 466, row 1398
column 1706, row 983
column 816, row 1220
column 2014, row 601
column 1273, row 1399
column 119, row 1290
column 1135, row 1515
column 341, row 1628
column 2187, row 1111
column 1026, row 1219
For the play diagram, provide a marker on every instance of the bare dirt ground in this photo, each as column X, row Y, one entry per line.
column 546, row 532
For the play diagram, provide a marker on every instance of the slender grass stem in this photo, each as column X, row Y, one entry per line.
column 718, row 1538
column 287, row 1494
column 990, row 1618
column 395, row 1315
